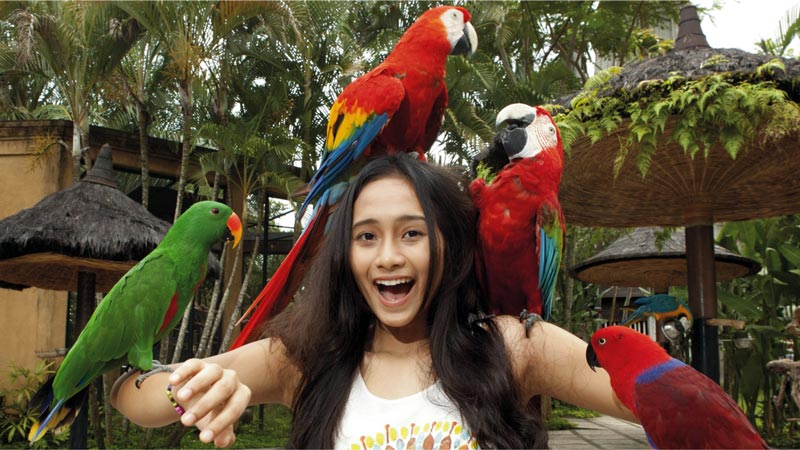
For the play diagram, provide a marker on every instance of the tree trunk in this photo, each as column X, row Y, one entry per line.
column 108, row 410
column 182, row 332
column 144, row 152
column 250, row 266
column 76, row 151
column 225, row 296
column 187, row 106
column 204, row 347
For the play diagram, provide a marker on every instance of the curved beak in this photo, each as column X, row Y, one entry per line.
column 468, row 43
column 234, row 231
column 591, row 358
column 513, row 140
column 515, row 117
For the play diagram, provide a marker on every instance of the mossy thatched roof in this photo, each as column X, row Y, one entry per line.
column 695, row 136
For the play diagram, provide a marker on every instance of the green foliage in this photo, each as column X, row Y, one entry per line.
column 766, row 302
column 485, row 172
column 15, row 417
column 561, row 412
column 563, row 409
column 716, row 110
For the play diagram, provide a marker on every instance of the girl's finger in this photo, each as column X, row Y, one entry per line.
column 226, row 438
column 230, row 412
column 209, row 396
column 186, row 370
column 200, row 382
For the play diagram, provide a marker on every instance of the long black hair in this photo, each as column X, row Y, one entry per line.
column 327, row 330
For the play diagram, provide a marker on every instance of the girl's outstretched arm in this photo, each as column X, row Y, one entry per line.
column 552, row 361
column 213, row 391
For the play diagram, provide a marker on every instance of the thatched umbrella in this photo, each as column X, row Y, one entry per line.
column 90, row 227
column 690, row 138
column 635, row 260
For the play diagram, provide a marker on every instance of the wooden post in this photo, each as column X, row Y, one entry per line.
column 85, row 305
column 703, row 298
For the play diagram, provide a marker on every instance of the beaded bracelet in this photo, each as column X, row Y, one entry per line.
column 175, row 404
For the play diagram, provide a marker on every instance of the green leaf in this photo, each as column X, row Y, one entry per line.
column 772, row 259
column 791, row 279
column 791, row 253
column 741, row 306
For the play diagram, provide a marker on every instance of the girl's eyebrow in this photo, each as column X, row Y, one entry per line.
column 403, row 218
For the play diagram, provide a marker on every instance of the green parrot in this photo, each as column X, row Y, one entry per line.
column 141, row 308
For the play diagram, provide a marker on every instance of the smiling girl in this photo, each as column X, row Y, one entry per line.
column 387, row 345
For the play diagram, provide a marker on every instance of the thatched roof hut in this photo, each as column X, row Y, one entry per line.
column 90, row 226
column 635, row 260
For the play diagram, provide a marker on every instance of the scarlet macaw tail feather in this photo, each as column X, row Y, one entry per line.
column 284, row 282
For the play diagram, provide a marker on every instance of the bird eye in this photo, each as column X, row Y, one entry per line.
column 601, row 341
column 214, row 210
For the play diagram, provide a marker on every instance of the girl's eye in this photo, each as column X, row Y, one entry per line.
column 365, row 236
column 413, row 233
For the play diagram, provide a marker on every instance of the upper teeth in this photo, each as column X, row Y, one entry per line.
column 394, row 282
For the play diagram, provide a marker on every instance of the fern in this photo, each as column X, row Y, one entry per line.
column 721, row 110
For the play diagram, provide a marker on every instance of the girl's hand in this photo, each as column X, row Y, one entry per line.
column 212, row 397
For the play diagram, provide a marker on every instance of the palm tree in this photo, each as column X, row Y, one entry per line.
column 788, row 29
column 75, row 45
column 142, row 77
column 193, row 34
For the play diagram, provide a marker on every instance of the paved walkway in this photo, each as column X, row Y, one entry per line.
column 599, row 432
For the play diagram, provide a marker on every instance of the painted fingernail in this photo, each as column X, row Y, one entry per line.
column 207, row 436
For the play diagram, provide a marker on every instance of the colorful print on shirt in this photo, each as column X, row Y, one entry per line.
column 435, row 435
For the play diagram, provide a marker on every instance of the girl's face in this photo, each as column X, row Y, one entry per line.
column 390, row 253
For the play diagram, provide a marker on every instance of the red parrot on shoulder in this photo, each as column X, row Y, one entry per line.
column 396, row 107
column 677, row 406
column 521, row 225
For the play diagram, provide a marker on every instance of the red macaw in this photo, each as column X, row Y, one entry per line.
column 521, row 225
column 396, row 107
column 678, row 406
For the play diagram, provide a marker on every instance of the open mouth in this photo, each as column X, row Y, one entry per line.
column 394, row 291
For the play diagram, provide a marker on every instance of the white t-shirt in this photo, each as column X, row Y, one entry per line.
column 425, row 420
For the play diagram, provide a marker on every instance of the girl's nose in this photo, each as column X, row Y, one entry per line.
column 389, row 256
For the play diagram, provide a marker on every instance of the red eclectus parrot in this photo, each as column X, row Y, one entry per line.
column 677, row 406
column 396, row 107
column 521, row 225
column 140, row 309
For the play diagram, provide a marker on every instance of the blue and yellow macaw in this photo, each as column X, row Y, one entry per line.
column 659, row 306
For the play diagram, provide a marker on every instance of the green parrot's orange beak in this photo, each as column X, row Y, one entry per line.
column 235, row 227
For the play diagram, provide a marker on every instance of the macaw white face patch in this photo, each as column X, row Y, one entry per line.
column 456, row 27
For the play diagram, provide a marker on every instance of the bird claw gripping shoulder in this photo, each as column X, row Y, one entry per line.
column 529, row 319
